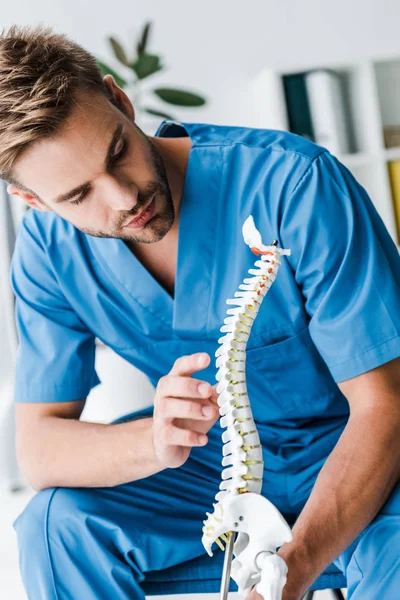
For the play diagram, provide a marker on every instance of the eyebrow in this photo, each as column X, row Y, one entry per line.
column 85, row 186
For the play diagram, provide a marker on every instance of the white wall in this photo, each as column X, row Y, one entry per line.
column 216, row 45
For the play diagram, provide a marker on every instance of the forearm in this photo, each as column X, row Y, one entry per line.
column 352, row 486
column 72, row 453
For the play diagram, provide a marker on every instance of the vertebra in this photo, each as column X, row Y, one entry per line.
column 242, row 452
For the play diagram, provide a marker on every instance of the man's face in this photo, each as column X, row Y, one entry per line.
column 121, row 171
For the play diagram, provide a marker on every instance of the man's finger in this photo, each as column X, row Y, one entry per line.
column 177, row 436
column 214, row 395
column 187, row 365
column 184, row 387
column 187, row 409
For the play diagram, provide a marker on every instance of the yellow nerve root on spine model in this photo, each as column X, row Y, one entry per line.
column 240, row 509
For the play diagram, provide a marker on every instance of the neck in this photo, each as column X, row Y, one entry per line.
column 175, row 154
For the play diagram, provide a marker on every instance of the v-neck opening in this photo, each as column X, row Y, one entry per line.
column 173, row 316
column 161, row 288
column 141, row 266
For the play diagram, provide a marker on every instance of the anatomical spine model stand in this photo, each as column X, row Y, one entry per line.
column 239, row 506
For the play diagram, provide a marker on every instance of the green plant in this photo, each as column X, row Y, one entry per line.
column 142, row 65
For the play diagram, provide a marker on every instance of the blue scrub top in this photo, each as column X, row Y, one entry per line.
column 332, row 314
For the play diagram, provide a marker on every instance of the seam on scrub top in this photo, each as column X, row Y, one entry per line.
column 47, row 543
column 377, row 239
column 70, row 386
column 384, row 303
column 52, row 272
column 303, row 176
column 56, row 386
column 357, row 563
column 260, row 336
column 283, row 151
column 382, row 250
column 216, row 236
column 280, row 151
column 120, row 285
column 365, row 351
column 345, row 193
column 376, row 345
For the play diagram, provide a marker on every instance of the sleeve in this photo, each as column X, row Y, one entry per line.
column 346, row 266
column 55, row 358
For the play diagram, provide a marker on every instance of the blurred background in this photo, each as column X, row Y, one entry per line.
column 329, row 71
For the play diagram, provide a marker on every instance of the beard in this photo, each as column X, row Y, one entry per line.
column 160, row 224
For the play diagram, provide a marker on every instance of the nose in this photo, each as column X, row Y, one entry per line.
column 117, row 195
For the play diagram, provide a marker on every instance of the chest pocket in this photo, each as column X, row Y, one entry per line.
column 288, row 378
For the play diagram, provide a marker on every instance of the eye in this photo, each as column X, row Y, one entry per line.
column 115, row 158
column 121, row 153
column 80, row 199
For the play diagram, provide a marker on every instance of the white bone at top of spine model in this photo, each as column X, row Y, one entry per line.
column 239, row 505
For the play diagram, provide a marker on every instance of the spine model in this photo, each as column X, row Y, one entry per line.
column 239, row 506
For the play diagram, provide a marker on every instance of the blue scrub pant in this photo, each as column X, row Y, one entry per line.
column 103, row 543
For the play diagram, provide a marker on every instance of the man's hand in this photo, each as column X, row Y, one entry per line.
column 285, row 595
column 184, row 411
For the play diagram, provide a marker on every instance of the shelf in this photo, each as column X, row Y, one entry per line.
column 370, row 94
column 392, row 153
column 387, row 74
column 357, row 159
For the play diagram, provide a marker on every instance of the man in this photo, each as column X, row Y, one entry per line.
column 136, row 240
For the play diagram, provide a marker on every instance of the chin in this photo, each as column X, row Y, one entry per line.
column 154, row 231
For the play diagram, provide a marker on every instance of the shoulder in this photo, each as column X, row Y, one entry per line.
column 44, row 225
column 45, row 241
column 47, row 230
column 278, row 154
column 268, row 139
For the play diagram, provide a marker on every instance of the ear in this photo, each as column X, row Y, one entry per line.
column 27, row 197
column 119, row 96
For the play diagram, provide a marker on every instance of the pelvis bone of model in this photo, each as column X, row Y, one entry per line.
column 240, row 507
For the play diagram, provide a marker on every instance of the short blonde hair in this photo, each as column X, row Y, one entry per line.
column 41, row 73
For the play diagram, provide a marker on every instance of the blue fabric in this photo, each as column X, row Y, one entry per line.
column 333, row 313
column 199, row 576
column 144, row 537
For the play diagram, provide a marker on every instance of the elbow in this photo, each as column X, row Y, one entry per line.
column 33, row 471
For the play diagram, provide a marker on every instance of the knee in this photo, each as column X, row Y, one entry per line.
column 31, row 523
column 50, row 514
column 380, row 544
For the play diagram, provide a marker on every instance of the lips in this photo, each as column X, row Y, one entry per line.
column 140, row 220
